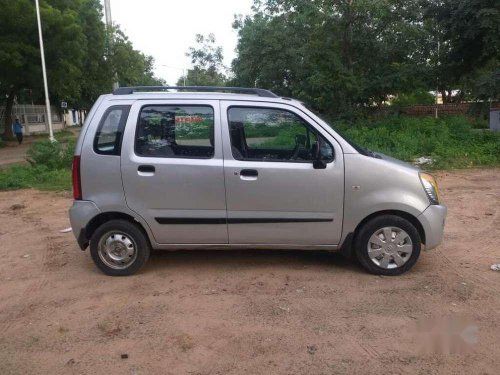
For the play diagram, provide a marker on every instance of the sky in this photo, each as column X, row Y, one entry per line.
column 165, row 29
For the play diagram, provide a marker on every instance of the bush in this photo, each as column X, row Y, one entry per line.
column 450, row 141
column 50, row 168
column 52, row 155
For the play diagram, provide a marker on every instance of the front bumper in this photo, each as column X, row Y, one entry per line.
column 80, row 214
column 432, row 220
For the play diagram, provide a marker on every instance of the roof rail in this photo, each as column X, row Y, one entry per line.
column 242, row 90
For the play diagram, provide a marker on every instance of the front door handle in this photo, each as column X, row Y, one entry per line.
column 146, row 170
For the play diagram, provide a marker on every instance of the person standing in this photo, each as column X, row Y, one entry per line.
column 18, row 130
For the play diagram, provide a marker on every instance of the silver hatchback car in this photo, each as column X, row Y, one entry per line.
column 234, row 168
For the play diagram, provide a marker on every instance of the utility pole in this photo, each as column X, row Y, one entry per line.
column 44, row 72
column 437, row 81
column 109, row 25
column 177, row 68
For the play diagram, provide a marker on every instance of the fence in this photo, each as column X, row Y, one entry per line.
column 473, row 109
column 34, row 118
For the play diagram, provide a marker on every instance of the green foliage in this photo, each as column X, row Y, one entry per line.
column 344, row 56
column 131, row 66
column 52, row 155
column 39, row 177
column 207, row 59
column 339, row 57
column 83, row 59
column 450, row 141
column 470, row 45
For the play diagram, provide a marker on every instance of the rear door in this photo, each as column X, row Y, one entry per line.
column 172, row 170
column 274, row 193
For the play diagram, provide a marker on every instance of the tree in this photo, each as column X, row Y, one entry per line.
column 470, row 31
column 208, row 67
column 131, row 66
column 98, row 74
column 20, row 54
column 81, row 56
column 337, row 55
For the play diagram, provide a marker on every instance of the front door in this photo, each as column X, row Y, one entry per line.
column 275, row 194
column 172, row 170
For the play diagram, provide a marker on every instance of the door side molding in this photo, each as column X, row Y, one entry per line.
column 204, row 220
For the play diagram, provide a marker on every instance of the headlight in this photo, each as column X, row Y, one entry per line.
column 430, row 186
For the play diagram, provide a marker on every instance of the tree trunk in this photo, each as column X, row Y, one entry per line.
column 8, row 115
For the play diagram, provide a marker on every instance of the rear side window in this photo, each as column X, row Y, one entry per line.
column 108, row 138
column 169, row 131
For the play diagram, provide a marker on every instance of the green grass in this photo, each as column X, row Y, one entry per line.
column 453, row 142
column 61, row 136
column 39, row 177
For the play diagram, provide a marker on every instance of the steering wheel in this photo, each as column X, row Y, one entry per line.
column 300, row 141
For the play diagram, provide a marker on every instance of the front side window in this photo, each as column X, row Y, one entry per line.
column 171, row 131
column 108, row 138
column 267, row 134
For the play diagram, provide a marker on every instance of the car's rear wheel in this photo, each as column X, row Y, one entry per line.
column 388, row 245
column 119, row 248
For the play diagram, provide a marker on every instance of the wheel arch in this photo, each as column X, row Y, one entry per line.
column 104, row 217
column 346, row 248
column 405, row 215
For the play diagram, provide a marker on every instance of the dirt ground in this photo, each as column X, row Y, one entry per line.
column 13, row 153
column 250, row 312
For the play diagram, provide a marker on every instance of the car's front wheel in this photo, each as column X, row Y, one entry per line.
column 119, row 248
column 388, row 245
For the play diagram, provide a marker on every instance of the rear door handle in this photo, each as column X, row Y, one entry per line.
column 249, row 174
column 146, row 170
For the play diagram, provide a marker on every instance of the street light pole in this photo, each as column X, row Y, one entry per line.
column 46, row 86
column 109, row 25
column 107, row 12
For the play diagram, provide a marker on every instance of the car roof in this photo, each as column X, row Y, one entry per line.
column 196, row 95
column 197, row 92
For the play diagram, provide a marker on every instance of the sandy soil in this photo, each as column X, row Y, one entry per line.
column 250, row 312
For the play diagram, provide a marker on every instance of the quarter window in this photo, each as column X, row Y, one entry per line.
column 108, row 138
column 175, row 132
column 266, row 134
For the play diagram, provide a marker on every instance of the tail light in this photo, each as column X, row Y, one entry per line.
column 77, row 182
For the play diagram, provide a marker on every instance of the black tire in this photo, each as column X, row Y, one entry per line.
column 134, row 234
column 361, row 243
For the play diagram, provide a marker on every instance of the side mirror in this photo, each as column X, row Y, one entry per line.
column 316, row 154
